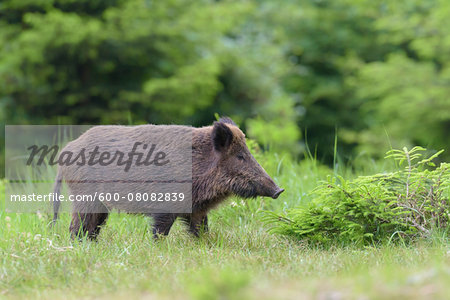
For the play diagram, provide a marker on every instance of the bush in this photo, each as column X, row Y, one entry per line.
column 411, row 202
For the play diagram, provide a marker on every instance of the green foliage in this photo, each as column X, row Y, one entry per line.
column 150, row 58
column 408, row 203
column 375, row 72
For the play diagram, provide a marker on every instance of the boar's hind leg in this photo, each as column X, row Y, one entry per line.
column 162, row 224
column 197, row 223
column 89, row 223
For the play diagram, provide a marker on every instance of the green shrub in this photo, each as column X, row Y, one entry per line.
column 411, row 202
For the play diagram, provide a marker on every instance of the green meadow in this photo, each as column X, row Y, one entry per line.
column 238, row 259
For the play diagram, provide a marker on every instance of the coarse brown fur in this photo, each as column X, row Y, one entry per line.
column 222, row 165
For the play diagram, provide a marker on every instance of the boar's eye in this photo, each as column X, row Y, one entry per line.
column 241, row 157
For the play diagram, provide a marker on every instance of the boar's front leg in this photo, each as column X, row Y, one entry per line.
column 197, row 223
column 162, row 224
column 204, row 224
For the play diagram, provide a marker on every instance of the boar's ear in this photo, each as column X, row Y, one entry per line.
column 221, row 136
column 227, row 121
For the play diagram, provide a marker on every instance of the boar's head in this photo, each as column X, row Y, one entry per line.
column 238, row 169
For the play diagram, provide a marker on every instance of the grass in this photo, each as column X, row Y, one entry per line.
column 238, row 259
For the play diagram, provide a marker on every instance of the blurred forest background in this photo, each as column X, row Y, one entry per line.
column 292, row 73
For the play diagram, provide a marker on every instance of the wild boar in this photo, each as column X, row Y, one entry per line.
column 222, row 165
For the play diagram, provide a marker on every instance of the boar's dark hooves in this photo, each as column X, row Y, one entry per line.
column 277, row 193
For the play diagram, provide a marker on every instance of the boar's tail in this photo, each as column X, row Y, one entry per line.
column 56, row 191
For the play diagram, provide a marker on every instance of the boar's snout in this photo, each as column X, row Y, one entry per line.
column 277, row 193
column 269, row 188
